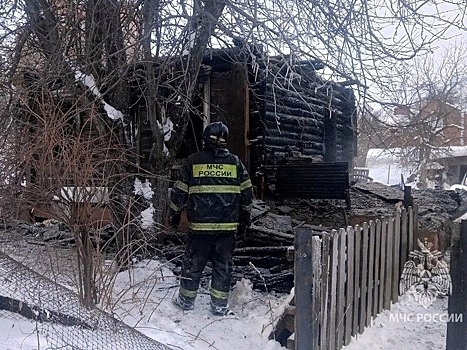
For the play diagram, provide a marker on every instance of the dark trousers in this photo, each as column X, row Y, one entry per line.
column 201, row 248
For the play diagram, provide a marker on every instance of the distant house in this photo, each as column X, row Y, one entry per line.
column 444, row 124
column 451, row 121
column 452, row 151
column 454, row 159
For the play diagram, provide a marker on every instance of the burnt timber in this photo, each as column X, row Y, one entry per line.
column 292, row 112
column 276, row 109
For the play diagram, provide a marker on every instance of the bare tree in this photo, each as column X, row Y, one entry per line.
column 101, row 37
column 372, row 133
column 423, row 109
column 99, row 49
column 64, row 163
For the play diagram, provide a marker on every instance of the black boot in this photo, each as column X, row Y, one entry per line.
column 220, row 310
column 183, row 303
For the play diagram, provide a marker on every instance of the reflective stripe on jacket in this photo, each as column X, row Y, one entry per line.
column 216, row 191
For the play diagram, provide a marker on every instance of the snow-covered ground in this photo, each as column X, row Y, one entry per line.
column 143, row 299
column 408, row 325
column 255, row 313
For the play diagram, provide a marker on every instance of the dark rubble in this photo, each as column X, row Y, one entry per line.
column 275, row 220
column 263, row 254
column 371, row 201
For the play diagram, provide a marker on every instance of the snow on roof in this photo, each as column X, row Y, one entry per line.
column 90, row 83
column 96, row 194
column 143, row 189
column 389, row 155
column 112, row 112
column 382, row 155
column 450, row 152
column 167, row 128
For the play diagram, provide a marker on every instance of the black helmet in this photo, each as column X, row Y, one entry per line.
column 215, row 135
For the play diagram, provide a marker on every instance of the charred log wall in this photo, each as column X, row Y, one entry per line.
column 344, row 105
column 302, row 116
column 292, row 111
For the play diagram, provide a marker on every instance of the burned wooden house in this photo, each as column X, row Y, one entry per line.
column 281, row 114
column 278, row 112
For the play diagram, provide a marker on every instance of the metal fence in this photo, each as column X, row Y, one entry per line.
column 61, row 320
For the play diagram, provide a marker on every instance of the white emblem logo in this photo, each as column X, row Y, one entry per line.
column 426, row 276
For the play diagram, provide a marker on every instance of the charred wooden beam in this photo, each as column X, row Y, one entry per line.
column 303, row 137
column 299, row 111
column 263, row 261
column 259, row 251
column 310, row 122
column 298, row 103
column 276, row 141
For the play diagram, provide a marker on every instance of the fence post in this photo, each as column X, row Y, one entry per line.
column 364, row 290
column 408, row 199
column 396, row 258
column 371, row 271
column 457, row 310
column 404, row 244
column 375, row 271
column 340, row 324
column 332, row 311
column 411, row 241
column 303, row 289
column 415, row 226
column 325, row 291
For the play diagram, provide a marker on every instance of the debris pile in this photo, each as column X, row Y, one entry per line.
column 263, row 253
column 275, row 220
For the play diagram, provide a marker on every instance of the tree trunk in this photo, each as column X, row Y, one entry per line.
column 85, row 250
column 206, row 19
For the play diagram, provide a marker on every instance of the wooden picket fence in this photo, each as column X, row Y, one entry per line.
column 355, row 276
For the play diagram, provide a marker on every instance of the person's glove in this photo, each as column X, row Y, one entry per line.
column 174, row 219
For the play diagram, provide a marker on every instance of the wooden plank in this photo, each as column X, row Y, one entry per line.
column 350, row 296
column 371, row 270
column 377, row 266
column 316, row 297
column 389, row 265
column 291, row 342
column 341, row 280
column 357, row 280
column 457, row 307
column 364, row 276
column 404, row 252
column 396, row 255
column 382, row 264
column 325, row 286
column 410, row 239
column 303, row 289
column 415, row 225
column 331, row 326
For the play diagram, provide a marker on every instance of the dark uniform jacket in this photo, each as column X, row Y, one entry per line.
column 215, row 187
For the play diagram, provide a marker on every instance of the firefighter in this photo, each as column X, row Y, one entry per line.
column 215, row 189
